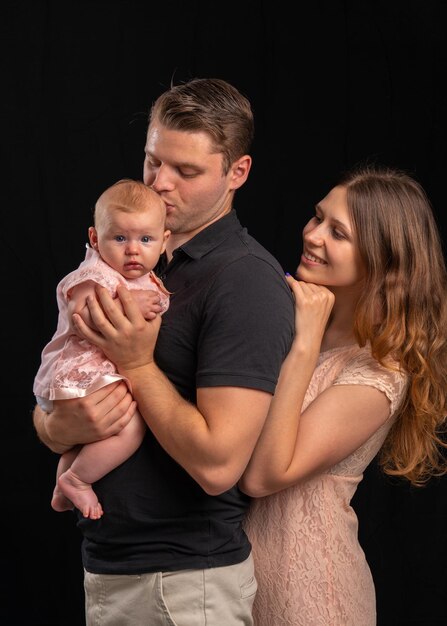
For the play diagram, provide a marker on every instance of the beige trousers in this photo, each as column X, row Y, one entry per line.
column 220, row 596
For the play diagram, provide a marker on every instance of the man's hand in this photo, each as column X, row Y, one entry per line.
column 82, row 420
column 124, row 336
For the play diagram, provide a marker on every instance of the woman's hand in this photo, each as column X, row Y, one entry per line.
column 313, row 306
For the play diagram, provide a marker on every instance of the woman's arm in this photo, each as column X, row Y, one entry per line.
column 295, row 445
column 273, row 454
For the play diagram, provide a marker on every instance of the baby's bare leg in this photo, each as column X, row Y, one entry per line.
column 59, row 501
column 80, row 493
column 94, row 461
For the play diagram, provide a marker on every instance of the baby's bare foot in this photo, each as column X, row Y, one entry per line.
column 59, row 502
column 80, row 494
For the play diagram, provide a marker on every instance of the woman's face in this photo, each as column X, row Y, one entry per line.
column 330, row 253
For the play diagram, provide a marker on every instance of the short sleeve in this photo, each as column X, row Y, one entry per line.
column 248, row 327
column 363, row 369
column 93, row 269
column 96, row 270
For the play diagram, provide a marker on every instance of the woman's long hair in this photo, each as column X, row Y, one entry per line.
column 402, row 311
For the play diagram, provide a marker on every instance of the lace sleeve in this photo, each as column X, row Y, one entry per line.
column 363, row 369
column 96, row 270
column 107, row 281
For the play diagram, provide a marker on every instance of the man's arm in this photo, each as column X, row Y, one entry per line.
column 40, row 421
column 213, row 441
column 83, row 420
column 103, row 413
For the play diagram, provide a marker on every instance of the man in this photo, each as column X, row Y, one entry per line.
column 170, row 547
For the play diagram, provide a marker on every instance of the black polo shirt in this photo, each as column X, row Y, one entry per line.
column 230, row 323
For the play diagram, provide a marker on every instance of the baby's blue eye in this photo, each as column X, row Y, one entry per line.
column 119, row 238
column 146, row 239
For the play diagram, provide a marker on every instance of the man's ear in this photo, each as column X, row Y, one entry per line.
column 239, row 171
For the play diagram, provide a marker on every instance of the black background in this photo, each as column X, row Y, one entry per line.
column 331, row 82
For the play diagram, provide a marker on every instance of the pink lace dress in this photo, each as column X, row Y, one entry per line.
column 72, row 367
column 310, row 568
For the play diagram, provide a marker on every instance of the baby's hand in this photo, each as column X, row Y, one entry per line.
column 148, row 301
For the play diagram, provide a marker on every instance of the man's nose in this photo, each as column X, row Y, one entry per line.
column 163, row 179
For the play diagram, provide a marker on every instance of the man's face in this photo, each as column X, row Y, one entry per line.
column 183, row 169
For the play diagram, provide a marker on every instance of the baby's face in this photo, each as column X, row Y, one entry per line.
column 131, row 242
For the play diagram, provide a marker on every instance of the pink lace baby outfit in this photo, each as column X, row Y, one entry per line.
column 310, row 567
column 72, row 367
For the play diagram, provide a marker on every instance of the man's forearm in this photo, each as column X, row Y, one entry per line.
column 177, row 424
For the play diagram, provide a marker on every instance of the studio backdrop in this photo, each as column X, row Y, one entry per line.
column 332, row 83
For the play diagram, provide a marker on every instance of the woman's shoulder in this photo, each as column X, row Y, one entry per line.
column 361, row 368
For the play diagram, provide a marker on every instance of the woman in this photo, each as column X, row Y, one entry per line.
column 366, row 371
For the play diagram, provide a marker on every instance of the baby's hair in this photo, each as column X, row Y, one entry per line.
column 129, row 196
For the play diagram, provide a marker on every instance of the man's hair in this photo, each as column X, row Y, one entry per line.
column 212, row 106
